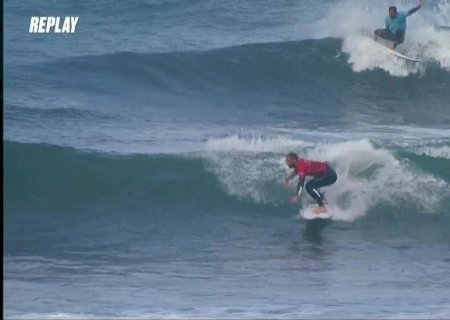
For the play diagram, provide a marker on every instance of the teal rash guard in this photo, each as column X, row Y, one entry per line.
column 399, row 22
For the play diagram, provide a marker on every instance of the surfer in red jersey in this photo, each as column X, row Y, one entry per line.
column 322, row 173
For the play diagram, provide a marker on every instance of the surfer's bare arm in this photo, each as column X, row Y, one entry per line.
column 289, row 177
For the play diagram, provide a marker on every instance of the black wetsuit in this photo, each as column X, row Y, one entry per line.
column 387, row 34
column 323, row 175
column 313, row 185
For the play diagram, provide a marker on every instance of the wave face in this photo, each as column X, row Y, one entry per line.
column 134, row 101
column 225, row 175
column 301, row 65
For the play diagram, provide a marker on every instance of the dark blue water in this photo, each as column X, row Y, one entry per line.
column 143, row 157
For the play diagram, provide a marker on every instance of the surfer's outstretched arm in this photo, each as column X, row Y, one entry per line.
column 296, row 197
column 291, row 175
column 288, row 178
column 414, row 10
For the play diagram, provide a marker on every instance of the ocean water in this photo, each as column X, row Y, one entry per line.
column 143, row 157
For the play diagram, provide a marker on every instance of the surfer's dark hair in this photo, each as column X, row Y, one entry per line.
column 292, row 155
column 393, row 8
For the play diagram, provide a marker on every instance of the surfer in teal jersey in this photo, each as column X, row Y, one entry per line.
column 395, row 25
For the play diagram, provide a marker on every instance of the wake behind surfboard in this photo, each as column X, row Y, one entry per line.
column 309, row 214
column 384, row 45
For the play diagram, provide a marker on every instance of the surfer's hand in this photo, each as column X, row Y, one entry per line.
column 294, row 199
column 286, row 184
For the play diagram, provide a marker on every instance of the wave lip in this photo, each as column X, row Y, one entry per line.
column 441, row 152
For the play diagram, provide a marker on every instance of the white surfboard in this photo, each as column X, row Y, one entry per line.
column 309, row 214
column 398, row 54
column 383, row 46
column 442, row 28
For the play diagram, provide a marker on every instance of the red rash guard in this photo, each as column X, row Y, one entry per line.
column 310, row 168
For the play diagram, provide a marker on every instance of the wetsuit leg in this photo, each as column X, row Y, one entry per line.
column 325, row 180
column 386, row 34
column 380, row 33
column 399, row 38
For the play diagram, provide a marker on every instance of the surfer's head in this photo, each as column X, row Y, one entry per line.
column 392, row 12
column 291, row 159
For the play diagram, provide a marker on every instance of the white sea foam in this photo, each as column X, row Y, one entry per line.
column 367, row 175
column 442, row 152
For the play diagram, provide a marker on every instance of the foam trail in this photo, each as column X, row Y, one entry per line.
column 367, row 175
